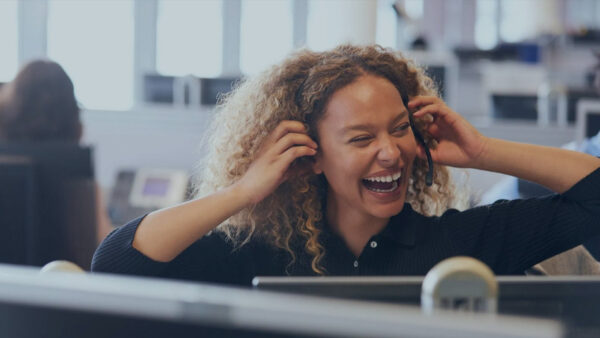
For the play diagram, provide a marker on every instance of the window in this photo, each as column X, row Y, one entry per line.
column 333, row 22
column 386, row 24
column 93, row 41
column 266, row 33
column 486, row 27
column 8, row 40
column 189, row 37
column 518, row 21
column 414, row 8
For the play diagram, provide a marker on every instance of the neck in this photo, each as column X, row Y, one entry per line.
column 354, row 226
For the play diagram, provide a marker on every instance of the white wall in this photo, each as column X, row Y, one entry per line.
column 145, row 137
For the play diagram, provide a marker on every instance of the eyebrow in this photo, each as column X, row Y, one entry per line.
column 367, row 126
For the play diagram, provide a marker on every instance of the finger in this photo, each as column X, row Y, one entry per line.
column 285, row 127
column 434, row 130
column 432, row 109
column 427, row 118
column 293, row 139
column 296, row 152
column 418, row 101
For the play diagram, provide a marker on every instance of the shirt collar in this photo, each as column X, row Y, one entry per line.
column 401, row 228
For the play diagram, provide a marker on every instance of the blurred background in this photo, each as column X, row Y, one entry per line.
column 147, row 73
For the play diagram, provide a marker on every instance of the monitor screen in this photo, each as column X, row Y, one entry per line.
column 156, row 186
column 574, row 95
column 592, row 124
column 158, row 88
column 211, row 89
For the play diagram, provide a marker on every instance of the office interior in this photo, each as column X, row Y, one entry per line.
column 148, row 75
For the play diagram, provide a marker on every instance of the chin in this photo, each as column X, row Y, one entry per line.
column 388, row 210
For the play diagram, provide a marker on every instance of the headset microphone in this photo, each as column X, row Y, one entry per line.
column 419, row 137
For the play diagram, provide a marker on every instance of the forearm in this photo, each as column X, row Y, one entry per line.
column 555, row 168
column 165, row 233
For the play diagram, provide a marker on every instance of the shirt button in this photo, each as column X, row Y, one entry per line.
column 373, row 244
column 356, row 264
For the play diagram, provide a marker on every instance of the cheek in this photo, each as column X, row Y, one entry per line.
column 409, row 147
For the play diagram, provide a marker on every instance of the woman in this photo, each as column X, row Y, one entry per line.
column 316, row 168
column 38, row 106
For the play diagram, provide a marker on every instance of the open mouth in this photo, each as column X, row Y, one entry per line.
column 383, row 184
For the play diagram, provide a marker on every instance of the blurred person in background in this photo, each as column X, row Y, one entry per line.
column 38, row 106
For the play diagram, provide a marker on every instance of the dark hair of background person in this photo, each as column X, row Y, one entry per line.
column 39, row 105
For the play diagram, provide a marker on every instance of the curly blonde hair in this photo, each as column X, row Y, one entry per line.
column 299, row 89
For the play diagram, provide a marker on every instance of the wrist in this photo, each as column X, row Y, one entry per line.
column 240, row 196
column 484, row 153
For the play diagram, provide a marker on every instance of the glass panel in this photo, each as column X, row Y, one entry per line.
column 414, row 8
column 486, row 26
column 8, row 40
column 93, row 41
column 189, row 37
column 266, row 33
column 386, row 24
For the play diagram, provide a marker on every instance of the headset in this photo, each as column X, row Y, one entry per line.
column 419, row 137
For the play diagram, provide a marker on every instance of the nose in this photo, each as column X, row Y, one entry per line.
column 389, row 152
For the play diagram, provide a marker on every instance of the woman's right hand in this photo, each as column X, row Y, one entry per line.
column 271, row 166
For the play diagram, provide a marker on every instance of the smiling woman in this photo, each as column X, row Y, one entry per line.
column 315, row 168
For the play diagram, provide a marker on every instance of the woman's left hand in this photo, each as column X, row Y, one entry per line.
column 459, row 144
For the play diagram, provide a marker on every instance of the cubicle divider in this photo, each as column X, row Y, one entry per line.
column 574, row 300
column 59, row 304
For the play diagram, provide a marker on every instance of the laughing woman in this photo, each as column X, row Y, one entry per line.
column 334, row 163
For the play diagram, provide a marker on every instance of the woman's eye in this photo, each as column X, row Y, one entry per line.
column 402, row 127
column 359, row 139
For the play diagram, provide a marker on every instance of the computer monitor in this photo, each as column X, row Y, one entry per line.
column 99, row 305
column 60, row 218
column 574, row 95
column 514, row 106
column 158, row 88
column 162, row 89
column 588, row 119
column 576, row 300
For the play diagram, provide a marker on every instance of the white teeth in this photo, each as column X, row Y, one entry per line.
column 389, row 178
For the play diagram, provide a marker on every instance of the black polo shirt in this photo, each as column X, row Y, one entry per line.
column 509, row 236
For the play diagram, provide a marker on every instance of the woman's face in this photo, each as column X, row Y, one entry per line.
column 366, row 148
